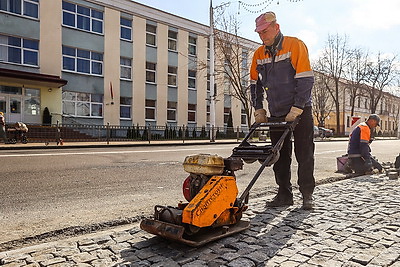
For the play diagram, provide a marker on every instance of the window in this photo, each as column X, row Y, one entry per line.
column 18, row 50
column 32, row 102
column 208, row 50
column 191, row 112
column 29, row 8
column 126, row 68
column 245, row 63
column 243, row 117
column 150, row 72
column 192, row 79
column 82, row 61
column 171, row 111
column 125, row 107
column 151, row 31
column 126, row 29
column 226, row 114
column 192, row 45
column 208, row 112
column 82, row 18
column 82, row 104
column 150, row 109
column 172, row 40
column 208, row 83
column 172, row 74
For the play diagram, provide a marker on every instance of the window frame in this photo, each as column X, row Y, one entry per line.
column 127, row 105
column 151, row 71
column 172, row 72
column 192, row 79
column 21, row 48
column 192, row 46
column 92, row 16
column 22, row 9
column 172, row 107
column 76, row 101
column 172, row 40
column 152, row 108
column 126, row 27
column 81, row 58
column 152, row 34
column 124, row 66
column 192, row 112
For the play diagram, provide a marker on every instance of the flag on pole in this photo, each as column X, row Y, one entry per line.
column 111, row 91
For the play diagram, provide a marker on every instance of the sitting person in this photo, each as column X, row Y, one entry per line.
column 359, row 151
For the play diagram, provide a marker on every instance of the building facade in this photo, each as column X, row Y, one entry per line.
column 103, row 61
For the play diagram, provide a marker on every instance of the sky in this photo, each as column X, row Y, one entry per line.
column 373, row 25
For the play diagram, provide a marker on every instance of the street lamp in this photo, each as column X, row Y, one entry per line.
column 212, row 76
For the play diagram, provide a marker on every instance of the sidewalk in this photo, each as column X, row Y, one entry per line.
column 355, row 222
column 53, row 145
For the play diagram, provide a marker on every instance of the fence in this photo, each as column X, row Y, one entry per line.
column 109, row 133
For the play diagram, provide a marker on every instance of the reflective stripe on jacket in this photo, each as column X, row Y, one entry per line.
column 286, row 77
column 359, row 142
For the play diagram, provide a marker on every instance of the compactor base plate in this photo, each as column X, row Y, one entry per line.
column 204, row 236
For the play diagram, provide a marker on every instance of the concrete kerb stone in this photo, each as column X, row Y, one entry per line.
column 355, row 223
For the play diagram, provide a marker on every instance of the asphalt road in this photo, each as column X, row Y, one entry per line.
column 46, row 190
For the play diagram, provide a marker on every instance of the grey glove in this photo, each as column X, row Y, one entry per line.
column 293, row 113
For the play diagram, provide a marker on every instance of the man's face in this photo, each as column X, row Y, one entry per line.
column 267, row 35
column 372, row 123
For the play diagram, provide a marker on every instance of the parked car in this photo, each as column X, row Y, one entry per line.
column 324, row 132
column 316, row 131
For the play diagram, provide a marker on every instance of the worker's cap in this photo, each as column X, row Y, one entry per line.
column 1, row 113
column 375, row 117
column 264, row 20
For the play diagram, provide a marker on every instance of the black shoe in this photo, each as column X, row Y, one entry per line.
column 308, row 202
column 281, row 200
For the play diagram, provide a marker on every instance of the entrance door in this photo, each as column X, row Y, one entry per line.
column 15, row 109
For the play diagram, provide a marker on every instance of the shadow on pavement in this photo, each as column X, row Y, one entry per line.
column 270, row 231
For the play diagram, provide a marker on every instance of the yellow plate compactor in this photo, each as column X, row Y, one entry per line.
column 213, row 209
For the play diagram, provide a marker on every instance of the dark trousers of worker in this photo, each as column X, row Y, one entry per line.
column 304, row 151
column 357, row 164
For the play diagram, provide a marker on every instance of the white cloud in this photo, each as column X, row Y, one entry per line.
column 372, row 14
column 310, row 38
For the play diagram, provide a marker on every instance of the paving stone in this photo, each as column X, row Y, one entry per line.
column 362, row 258
column 83, row 257
column 88, row 248
column 53, row 261
column 195, row 263
column 241, row 262
column 42, row 257
column 121, row 236
column 290, row 264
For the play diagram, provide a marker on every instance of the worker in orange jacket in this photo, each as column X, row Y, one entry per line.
column 281, row 70
column 359, row 151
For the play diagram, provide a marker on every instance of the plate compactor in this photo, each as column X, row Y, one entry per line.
column 214, row 210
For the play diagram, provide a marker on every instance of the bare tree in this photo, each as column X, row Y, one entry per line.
column 232, row 60
column 322, row 103
column 356, row 73
column 332, row 62
column 381, row 74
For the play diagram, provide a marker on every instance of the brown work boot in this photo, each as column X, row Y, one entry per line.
column 308, row 202
column 281, row 200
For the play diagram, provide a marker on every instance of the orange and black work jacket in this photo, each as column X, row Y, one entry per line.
column 283, row 71
column 359, row 142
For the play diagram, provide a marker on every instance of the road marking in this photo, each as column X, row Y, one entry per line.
column 107, row 152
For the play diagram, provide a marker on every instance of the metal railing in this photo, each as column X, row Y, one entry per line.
column 111, row 133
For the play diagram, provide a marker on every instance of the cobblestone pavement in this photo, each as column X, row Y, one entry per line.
column 356, row 222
